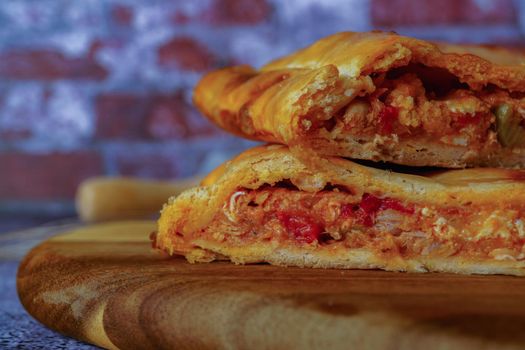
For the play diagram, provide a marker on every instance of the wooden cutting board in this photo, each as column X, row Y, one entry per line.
column 103, row 284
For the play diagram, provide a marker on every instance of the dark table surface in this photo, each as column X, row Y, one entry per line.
column 18, row 330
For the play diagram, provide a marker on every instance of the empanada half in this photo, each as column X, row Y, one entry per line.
column 380, row 96
column 267, row 206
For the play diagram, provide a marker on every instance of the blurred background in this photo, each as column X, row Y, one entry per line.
column 93, row 87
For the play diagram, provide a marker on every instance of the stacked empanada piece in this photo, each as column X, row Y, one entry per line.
column 373, row 97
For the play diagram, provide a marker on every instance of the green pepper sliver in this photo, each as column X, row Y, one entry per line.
column 510, row 132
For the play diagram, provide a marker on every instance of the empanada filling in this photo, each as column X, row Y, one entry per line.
column 416, row 101
column 337, row 218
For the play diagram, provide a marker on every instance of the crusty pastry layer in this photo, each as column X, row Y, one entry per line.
column 380, row 96
column 267, row 206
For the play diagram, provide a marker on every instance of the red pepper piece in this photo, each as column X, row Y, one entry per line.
column 302, row 226
column 387, row 116
column 370, row 205
column 394, row 204
column 368, row 208
column 362, row 216
column 347, row 210
column 465, row 120
column 367, row 219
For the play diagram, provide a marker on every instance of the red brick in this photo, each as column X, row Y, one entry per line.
column 171, row 117
column 417, row 12
column 157, row 160
column 98, row 45
column 121, row 116
column 167, row 118
column 233, row 12
column 95, row 47
column 180, row 18
column 15, row 134
column 48, row 65
column 122, row 15
column 45, row 176
column 148, row 164
column 162, row 117
column 185, row 53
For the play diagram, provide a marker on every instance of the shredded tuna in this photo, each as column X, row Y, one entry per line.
column 342, row 218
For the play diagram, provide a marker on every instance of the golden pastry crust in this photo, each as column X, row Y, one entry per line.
column 185, row 218
column 289, row 100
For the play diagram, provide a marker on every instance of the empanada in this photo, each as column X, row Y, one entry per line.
column 267, row 206
column 380, row 96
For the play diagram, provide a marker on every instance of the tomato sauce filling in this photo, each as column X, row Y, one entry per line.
column 369, row 206
column 301, row 226
column 387, row 117
column 416, row 101
column 339, row 219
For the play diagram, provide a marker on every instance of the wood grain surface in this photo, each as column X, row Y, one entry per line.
column 104, row 284
column 18, row 330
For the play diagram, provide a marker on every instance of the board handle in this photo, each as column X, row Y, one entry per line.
column 107, row 198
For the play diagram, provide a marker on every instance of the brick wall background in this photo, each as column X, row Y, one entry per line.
column 94, row 87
